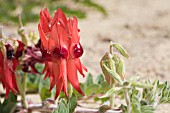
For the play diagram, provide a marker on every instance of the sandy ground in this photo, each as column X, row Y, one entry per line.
column 141, row 26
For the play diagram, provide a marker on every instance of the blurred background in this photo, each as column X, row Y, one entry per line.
column 141, row 26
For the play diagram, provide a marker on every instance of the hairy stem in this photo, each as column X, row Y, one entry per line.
column 112, row 97
column 24, row 91
column 127, row 98
column 22, row 88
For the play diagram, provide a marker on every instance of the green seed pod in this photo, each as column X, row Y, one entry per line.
column 120, row 68
column 121, row 50
column 107, row 61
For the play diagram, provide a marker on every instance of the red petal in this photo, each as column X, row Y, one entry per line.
column 52, row 81
column 20, row 49
column 14, row 83
column 59, row 86
column 63, row 70
column 54, row 38
column 47, row 15
column 1, row 62
column 72, row 75
column 43, row 37
column 79, row 66
column 62, row 36
column 45, row 20
column 75, row 36
column 46, row 75
column 45, row 68
column 15, row 63
column 59, row 16
column 8, row 74
column 7, row 92
column 55, row 71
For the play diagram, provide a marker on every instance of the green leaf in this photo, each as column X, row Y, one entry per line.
column 104, row 87
column 120, row 68
column 1, row 107
column 9, row 108
column 112, row 91
column 11, row 98
column 134, row 78
column 43, row 88
column 121, row 50
column 92, row 89
column 89, row 80
column 72, row 103
column 141, row 85
column 136, row 107
column 62, row 108
column 99, row 79
column 147, row 109
column 113, row 74
column 124, row 108
column 9, row 104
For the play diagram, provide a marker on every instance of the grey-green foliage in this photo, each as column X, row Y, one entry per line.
column 94, row 87
column 147, row 99
column 9, row 105
column 66, row 106
column 158, row 95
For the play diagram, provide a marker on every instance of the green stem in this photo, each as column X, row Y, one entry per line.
column 24, row 91
column 127, row 98
column 22, row 88
column 111, row 66
column 112, row 97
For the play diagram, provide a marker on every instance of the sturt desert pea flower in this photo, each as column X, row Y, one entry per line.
column 61, row 46
column 8, row 64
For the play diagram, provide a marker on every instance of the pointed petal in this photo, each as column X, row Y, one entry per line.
column 8, row 74
column 45, row 20
column 15, row 63
column 43, row 37
column 1, row 63
column 59, row 86
column 53, row 39
column 14, row 84
column 72, row 75
column 7, row 92
column 62, row 36
column 79, row 66
column 75, row 36
column 63, row 70
column 45, row 68
column 20, row 49
column 59, row 16
column 52, row 81
column 47, row 15
column 46, row 75
column 56, row 72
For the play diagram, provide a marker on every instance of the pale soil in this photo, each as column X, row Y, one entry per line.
column 141, row 26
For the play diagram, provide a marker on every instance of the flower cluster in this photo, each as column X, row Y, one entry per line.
column 61, row 49
column 8, row 64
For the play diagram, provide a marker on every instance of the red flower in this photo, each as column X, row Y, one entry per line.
column 8, row 64
column 62, row 49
